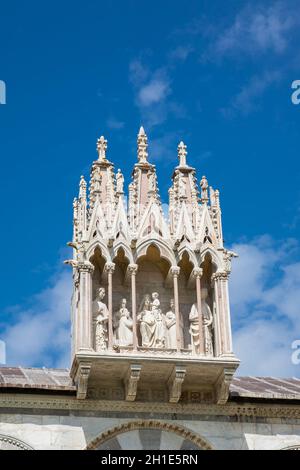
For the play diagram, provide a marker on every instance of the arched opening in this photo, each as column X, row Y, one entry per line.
column 149, row 435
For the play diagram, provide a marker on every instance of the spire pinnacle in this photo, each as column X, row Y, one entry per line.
column 182, row 153
column 142, row 131
column 142, row 142
column 101, row 148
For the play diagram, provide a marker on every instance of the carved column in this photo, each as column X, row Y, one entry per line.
column 175, row 270
column 109, row 268
column 220, row 280
column 197, row 272
column 84, row 323
column 133, row 270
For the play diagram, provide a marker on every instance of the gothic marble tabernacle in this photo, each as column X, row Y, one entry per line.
column 152, row 361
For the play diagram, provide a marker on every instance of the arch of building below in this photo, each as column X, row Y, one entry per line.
column 11, row 443
column 296, row 447
column 149, row 435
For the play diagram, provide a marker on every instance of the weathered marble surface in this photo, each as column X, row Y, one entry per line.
column 42, row 431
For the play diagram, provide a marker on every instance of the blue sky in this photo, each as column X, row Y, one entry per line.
column 212, row 73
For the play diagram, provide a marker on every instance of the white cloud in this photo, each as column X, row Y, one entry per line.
column 246, row 100
column 257, row 29
column 181, row 53
column 265, row 306
column 39, row 333
column 113, row 123
column 264, row 347
column 154, row 92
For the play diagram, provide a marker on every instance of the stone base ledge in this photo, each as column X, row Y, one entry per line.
column 144, row 377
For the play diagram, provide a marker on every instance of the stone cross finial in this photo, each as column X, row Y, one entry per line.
column 182, row 153
column 101, row 148
column 142, row 142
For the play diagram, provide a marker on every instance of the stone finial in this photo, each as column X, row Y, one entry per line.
column 182, row 153
column 204, row 189
column 142, row 142
column 82, row 188
column 101, row 148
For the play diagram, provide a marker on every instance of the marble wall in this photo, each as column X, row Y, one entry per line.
column 75, row 430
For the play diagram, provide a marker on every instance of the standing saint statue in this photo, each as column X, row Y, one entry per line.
column 204, row 188
column 124, row 325
column 160, row 339
column 170, row 322
column 207, row 325
column 194, row 329
column 101, row 311
column 120, row 182
column 147, row 323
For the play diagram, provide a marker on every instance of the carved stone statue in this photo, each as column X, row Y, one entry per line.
column 204, row 188
column 120, row 182
column 152, row 182
column 207, row 323
column 170, row 322
column 124, row 325
column 194, row 329
column 101, row 311
column 207, row 326
column 97, row 180
column 147, row 323
column 160, row 339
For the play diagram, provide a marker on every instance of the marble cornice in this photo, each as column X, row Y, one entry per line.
column 18, row 401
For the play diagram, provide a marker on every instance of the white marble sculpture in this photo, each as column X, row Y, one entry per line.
column 207, row 326
column 120, row 182
column 100, row 310
column 204, row 188
column 194, row 329
column 124, row 325
column 170, row 322
column 152, row 182
column 207, row 323
column 147, row 323
column 160, row 327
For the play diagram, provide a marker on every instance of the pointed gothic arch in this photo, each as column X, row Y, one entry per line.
column 163, row 248
column 215, row 257
column 98, row 244
column 123, row 245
